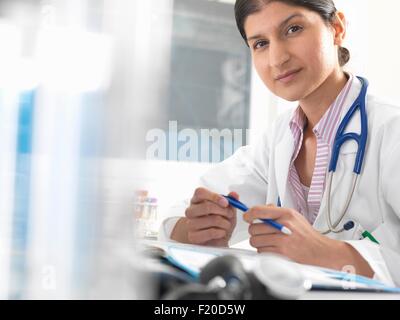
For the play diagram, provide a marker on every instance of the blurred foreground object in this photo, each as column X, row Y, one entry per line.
column 69, row 116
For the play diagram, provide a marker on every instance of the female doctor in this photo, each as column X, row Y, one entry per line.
column 296, row 47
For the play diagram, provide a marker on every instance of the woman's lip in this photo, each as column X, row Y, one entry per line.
column 288, row 77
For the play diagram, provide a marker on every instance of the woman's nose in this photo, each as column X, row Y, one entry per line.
column 278, row 55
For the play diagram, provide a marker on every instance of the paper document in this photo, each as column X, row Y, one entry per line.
column 192, row 258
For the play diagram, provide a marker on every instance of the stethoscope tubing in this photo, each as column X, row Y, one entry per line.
column 340, row 139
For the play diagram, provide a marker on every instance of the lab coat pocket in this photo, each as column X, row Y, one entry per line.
column 380, row 235
column 384, row 235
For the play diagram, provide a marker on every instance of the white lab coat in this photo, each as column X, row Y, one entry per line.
column 259, row 174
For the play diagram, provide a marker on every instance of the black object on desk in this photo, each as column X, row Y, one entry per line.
column 223, row 278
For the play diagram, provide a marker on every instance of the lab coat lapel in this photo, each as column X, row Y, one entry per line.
column 283, row 155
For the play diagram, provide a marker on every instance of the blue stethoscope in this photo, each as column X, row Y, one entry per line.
column 340, row 139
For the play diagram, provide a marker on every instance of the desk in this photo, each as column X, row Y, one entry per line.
column 322, row 295
column 195, row 257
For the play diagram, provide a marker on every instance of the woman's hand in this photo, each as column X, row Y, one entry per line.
column 210, row 220
column 305, row 244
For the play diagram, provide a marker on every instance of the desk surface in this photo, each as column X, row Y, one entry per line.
column 326, row 295
column 312, row 295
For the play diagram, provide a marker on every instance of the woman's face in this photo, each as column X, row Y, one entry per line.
column 293, row 49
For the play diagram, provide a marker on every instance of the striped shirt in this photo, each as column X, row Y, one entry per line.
column 308, row 199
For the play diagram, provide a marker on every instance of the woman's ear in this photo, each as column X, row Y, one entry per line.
column 339, row 26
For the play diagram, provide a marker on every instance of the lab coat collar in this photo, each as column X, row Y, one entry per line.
column 284, row 150
column 341, row 172
column 283, row 155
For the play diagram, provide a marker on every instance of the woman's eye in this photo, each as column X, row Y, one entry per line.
column 260, row 44
column 294, row 29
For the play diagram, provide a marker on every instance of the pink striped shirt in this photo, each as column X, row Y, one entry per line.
column 308, row 200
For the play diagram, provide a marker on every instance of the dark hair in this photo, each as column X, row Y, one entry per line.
column 325, row 8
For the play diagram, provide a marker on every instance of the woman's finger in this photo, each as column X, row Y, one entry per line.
column 266, row 212
column 203, row 236
column 202, row 194
column 256, row 229
column 267, row 240
column 210, row 221
column 206, row 208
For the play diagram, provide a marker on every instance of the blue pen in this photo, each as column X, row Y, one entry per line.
column 238, row 205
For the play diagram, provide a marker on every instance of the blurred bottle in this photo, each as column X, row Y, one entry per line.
column 152, row 215
column 146, row 214
column 140, row 199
